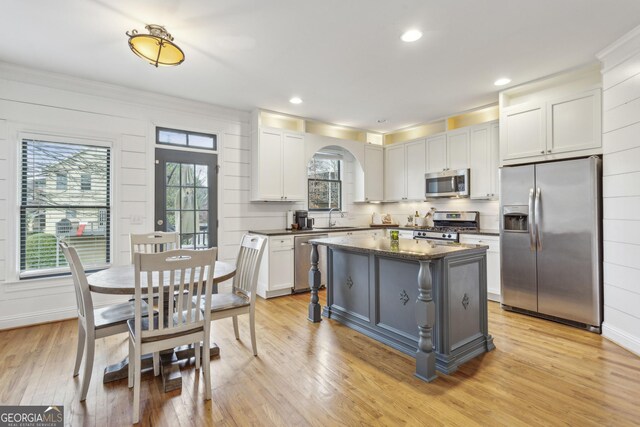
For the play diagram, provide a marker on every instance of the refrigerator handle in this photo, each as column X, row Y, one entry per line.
column 538, row 218
column 532, row 239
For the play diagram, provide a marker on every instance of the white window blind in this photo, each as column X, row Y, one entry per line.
column 65, row 196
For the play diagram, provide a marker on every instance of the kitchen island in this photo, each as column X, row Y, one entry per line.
column 425, row 299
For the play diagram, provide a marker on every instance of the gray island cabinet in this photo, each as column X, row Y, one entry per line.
column 427, row 300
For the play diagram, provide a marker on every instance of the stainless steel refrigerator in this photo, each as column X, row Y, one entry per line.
column 551, row 245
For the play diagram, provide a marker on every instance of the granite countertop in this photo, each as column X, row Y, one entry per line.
column 418, row 250
column 282, row 232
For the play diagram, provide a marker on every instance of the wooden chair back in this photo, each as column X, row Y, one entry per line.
column 247, row 265
column 80, row 283
column 152, row 243
column 188, row 273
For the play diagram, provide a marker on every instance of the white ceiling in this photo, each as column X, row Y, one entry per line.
column 344, row 58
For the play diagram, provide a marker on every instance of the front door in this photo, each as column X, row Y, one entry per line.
column 186, row 196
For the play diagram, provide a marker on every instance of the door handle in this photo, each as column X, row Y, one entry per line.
column 538, row 212
column 532, row 239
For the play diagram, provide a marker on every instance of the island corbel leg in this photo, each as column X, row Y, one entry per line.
column 425, row 317
column 314, row 283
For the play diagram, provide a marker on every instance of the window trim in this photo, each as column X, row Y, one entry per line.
column 18, row 277
column 187, row 133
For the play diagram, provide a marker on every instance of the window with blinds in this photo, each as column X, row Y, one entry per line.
column 65, row 196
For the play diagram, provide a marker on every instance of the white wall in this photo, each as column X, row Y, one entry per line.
column 621, row 191
column 125, row 119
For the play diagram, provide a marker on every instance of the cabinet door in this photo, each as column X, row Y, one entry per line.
column 373, row 173
column 494, row 159
column 524, row 134
column 394, row 174
column 294, row 169
column 437, row 153
column 493, row 261
column 574, row 123
column 458, row 149
column 479, row 162
column 270, row 165
column 281, row 268
column 416, row 166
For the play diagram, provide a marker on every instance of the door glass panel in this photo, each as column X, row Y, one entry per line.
column 173, row 198
column 186, row 202
column 202, row 198
column 187, row 222
column 173, row 173
column 202, row 177
column 187, row 174
column 187, row 198
column 171, row 221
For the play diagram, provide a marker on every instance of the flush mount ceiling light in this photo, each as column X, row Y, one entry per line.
column 411, row 36
column 295, row 100
column 501, row 82
column 157, row 47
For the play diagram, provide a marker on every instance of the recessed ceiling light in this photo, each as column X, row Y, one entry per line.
column 411, row 36
column 382, row 120
column 295, row 100
column 501, row 82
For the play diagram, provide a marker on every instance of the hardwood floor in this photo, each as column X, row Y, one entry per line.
column 541, row 373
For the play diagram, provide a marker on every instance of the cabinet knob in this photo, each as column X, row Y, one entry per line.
column 542, row 152
column 548, row 151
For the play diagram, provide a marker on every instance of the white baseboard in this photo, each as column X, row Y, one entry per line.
column 493, row 297
column 623, row 339
column 45, row 316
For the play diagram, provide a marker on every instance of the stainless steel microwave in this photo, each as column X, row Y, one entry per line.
column 449, row 183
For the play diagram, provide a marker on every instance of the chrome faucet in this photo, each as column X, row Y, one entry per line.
column 331, row 224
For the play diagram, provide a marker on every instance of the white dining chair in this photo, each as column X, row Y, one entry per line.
column 152, row 243
column 188, row 273
column 242, row 299
column 93, row 323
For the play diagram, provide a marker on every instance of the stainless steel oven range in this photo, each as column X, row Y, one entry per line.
column 447, row 225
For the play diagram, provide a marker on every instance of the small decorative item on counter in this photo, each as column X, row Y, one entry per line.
column 428, row 218
column 416, row 219
column 294, row 226
column 395, row 235
column 387, row 219
column 410, row 220
column 376, row 219
column 394, row 246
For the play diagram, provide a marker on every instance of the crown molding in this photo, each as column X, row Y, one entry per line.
column 131, row 96
column 620, row 50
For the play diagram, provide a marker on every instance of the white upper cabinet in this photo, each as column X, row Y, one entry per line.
column 552, row 128
column 279, row 171
column 524, row 131
column 437, row 153
column 416, row 166
column 404, row 171
column 574, row 123
column 483, row 161
column 395, row 176
column 458, row 149
column 294, row 172
column 373, row 173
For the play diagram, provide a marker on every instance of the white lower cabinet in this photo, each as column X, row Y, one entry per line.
column 277, row 267
column 493, row 261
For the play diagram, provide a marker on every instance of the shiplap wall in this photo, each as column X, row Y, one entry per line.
column 621, row 191
column 36, row 102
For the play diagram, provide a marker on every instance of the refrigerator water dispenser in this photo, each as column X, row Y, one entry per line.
column 515, row 219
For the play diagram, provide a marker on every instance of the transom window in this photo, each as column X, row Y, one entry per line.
column 186, row 139
column 65, row 196
column 325, row 185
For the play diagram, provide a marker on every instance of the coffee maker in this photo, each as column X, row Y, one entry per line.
column 302, row 219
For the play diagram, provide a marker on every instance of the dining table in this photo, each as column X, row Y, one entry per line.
column 120, row 280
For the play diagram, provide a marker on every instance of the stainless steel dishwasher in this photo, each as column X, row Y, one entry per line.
column 302, row 260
